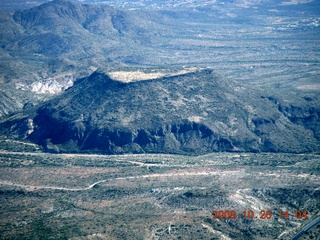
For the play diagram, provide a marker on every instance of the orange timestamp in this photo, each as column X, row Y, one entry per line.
column 263, row 214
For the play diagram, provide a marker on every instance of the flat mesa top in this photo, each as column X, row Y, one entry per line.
column 133, row 76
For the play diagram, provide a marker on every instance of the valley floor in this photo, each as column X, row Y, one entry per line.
column 156, row 196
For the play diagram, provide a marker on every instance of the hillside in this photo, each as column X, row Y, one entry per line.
column 192, row 113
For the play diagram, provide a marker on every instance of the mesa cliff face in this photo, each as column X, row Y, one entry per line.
column 193, row 113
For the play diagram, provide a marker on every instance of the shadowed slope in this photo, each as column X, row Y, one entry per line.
column 195, row 113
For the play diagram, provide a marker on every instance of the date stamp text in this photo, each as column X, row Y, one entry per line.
column 263, row 214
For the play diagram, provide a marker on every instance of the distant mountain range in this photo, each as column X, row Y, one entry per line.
column 158, row 4
column 192, row 113
column 68, row 30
